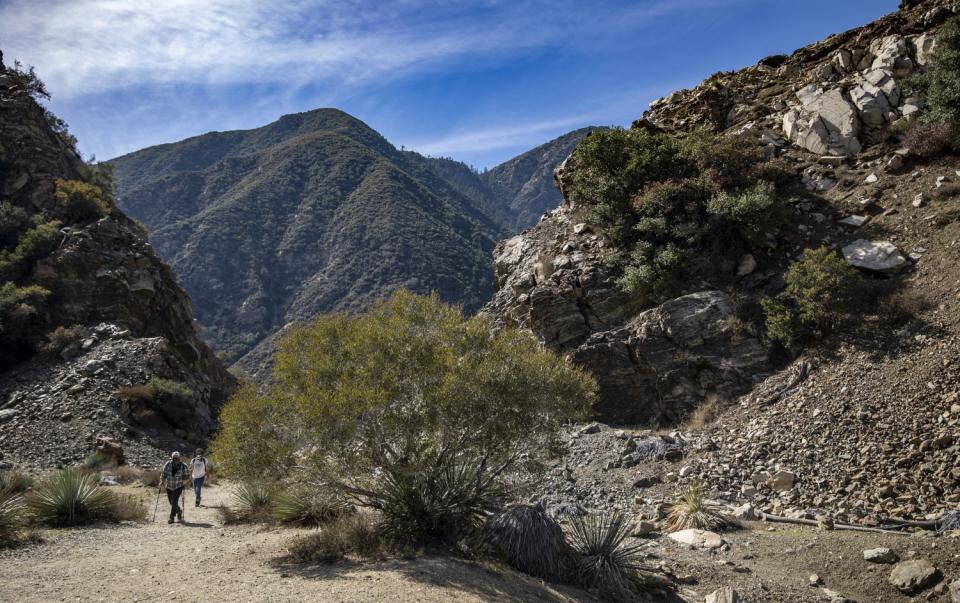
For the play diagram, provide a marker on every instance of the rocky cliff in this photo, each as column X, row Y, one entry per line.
column 831, row 118
column 73, row 261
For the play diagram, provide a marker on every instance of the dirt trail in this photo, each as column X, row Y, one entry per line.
column 204, row 561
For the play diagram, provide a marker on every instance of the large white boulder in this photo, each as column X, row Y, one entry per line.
column 700, row 539
column 892, row 53
column 924, row 45
column 826, row 124
column 878, row 256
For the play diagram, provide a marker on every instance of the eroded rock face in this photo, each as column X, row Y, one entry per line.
column 651, row 363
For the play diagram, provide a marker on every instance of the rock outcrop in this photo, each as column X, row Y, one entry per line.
column 99, row 271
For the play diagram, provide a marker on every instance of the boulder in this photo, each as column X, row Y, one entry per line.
column 876, row 256
column 880, row 555
column 643, row 528
column 745, row 512
column 914, row 575
column 669, row 358
column 827, row 124
column 782, row 481
column 924, row 46
column 110, row 449
column 700, row 539
column 892, row 53
column 723, row 595
column 954, row 590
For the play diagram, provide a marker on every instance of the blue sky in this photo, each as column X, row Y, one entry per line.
column 480, row 81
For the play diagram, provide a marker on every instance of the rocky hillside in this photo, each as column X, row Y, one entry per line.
column 313, row 213
column 519, row 190
column 858, row 422
column 76, row 271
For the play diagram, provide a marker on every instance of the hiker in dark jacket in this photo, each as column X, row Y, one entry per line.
column 174, row 474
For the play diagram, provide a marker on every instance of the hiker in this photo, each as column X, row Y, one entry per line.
column 174, row 472
column 198, row 473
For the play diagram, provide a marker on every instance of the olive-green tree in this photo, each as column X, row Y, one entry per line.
column 411, row 408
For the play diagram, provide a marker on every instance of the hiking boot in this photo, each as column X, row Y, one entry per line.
column 198, row 504
column 180, row 516
column 170, row 520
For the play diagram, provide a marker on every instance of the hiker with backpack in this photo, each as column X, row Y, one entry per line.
column 173, row 475
column 198, row 472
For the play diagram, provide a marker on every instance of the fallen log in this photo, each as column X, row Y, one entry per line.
column 836, row 526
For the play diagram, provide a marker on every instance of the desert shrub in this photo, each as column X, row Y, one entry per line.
column 34, row 244
column 15, row 481
column 18, row 307
column 304, row 506
column 81, row 201
column 942, row 76
column 409, row 393
column 151, row 478
column 608, row 561
column 694, row 511
column 136, row 393
column 947, row 191
column 704, row 414
column 947, row 217
column 95, row 461
column 728, row 161
column 356, row 533
column 11, row 515
column 62, row 337
column 70, row 497
column 125, row 507
column 929, row 139
column 25, row 79
column 817, row 288
column 611, row 166
column 14, row 220
column 128, row 474
column 753, row 211
column 167, row 388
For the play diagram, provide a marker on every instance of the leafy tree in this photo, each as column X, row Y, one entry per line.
column 18, row 307
column 942, row 77
column 817, row 287
column 411, row 409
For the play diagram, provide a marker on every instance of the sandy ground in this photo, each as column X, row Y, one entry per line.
column 201, row 560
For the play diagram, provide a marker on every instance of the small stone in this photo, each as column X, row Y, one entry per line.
column 685, row 471
column 895, row 164
column 955, row 588
column 745, row 512
column 914, row 575
column 814, row 580
column 643, row 528
column 724, row 595
column 880, row 555
column 918, row 201
column 590, row 429
column 854, row 221
column 871, row 179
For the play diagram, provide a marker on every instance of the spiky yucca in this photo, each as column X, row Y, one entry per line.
column 70, row 497
column 609, row 561
column 531, row 541
column 11, row 510
column 694, row 511
column 307, row 508
column 253, row 501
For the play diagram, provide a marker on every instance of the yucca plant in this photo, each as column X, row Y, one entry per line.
column 307, row 508
column 694, row 511
column 253, row 501
column 443, row 504
column 70, row 497
column 11, row 511
column 609, row 561
column 531, row 541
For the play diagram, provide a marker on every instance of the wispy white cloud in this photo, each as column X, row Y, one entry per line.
column 88, row 46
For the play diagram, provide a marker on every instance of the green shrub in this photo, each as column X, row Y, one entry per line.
column 95, row 461
column 34, row 244
column 61, row 338
column 18, row 307
column 942, row 77
column 412, row 391
column 611, row 166
column 167, row 388
column 608, row 561
column 753, row 211
column 70, row 497
column 817, row 287
column 82, row 202
column 355, row 533
column 11, row 515
column 13, row 221
column 929, row 139
column 727, row 161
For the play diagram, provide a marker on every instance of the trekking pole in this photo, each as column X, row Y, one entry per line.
column 154, row 520
column 183, row 506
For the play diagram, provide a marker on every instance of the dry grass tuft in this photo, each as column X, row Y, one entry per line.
column 355, row 533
